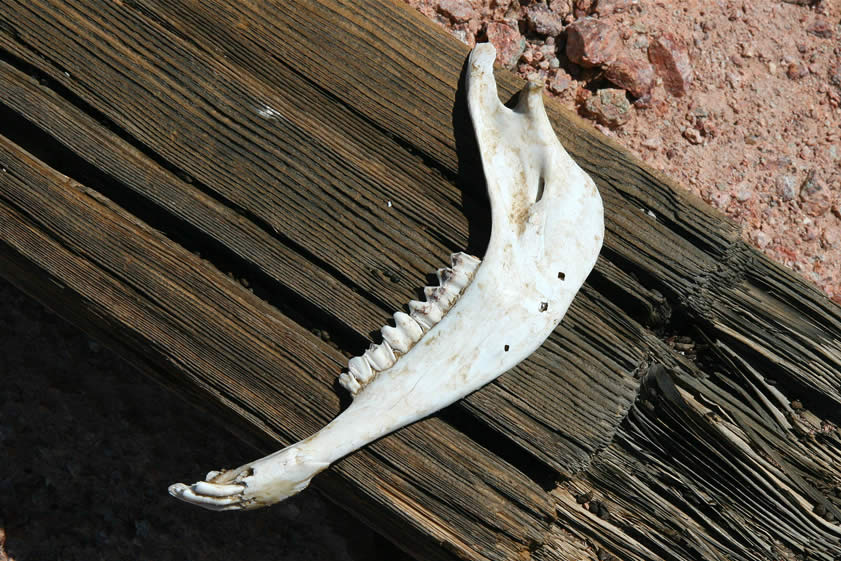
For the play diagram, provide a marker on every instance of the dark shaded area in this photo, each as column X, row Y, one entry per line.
column 90, row 446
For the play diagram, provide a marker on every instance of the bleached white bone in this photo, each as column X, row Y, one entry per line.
column 484, row 319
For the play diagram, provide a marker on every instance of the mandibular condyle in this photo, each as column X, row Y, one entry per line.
column 484, row 318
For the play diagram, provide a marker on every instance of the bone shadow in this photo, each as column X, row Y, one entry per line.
column 470, row 176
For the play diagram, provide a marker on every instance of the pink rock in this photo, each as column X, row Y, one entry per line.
column 508, row 42
column 795, row 71
column 607, row 7
column 834, row 74
column 635, row 76
column 544, row 21
column 760, row 238
column 820, row 28
column 786, row 187
column 653, row 143
column 693, row 135
column 591, row 43
column 560, row 81
column 458, row 11
column 720, row 199
column 581, row 8
column 670, row 58
column 831, row 237
column 815, row 198
column 609, row 107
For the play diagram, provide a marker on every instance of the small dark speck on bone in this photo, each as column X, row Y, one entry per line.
column 561, row 276
column 506, row 348
column 544, row 306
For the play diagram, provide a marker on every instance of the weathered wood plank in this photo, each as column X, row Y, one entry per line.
column 221, row 121
column 685, row 480
column 690, row 254
column 377, row 170
column 158, row 294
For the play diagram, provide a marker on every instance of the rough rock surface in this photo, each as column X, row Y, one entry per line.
column 591, row 42
column 633, row 75
column 459, row 11
column 543, row 21
column 670, row 58
column 508, row 42
column 609, row 107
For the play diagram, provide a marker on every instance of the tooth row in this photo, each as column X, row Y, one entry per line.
column 409, row 328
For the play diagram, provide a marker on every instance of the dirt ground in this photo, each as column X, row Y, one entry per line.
column 90, row 445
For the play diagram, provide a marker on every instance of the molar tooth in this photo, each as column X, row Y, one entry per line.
column 443, row 295
column 425, row 313
column 349, row 383
column 408, row 325
column 396, row 338
column 457, row 279
column 380, row 356
column 465, row 262
column 360, row 369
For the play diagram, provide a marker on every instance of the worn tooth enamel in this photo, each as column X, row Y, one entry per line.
column 360, row 369
column 409, row 326
column 442, row 296
column 484, row 318
column 425, row 313
column 348, row 382
column 380, row 356
column 397, row 339
column 464, row 262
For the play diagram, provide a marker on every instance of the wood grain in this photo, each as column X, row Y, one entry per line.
column 373, row 251
column 270, row 138
column 159, row 295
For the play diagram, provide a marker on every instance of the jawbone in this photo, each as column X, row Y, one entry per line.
column 482, row 320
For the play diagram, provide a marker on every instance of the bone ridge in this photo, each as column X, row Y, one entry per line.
column 409, row 328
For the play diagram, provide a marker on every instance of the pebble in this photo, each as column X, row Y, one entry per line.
column 744, row 192
column 652, row 143
column 559, row 81
column 458, row 11
column 670, row 58
column 831, row 237
column 592, row 43
column 796, row 71
column 609, row 107
column 544, row 21
column 635, row 76
column 508, row 42
column 720, row 199
column 786, row 187
column 760, row 238
column 582, row 8
column 834, row 74
column 815, row 199
column 607, row 7
column 820, row 28
column 693, row 135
